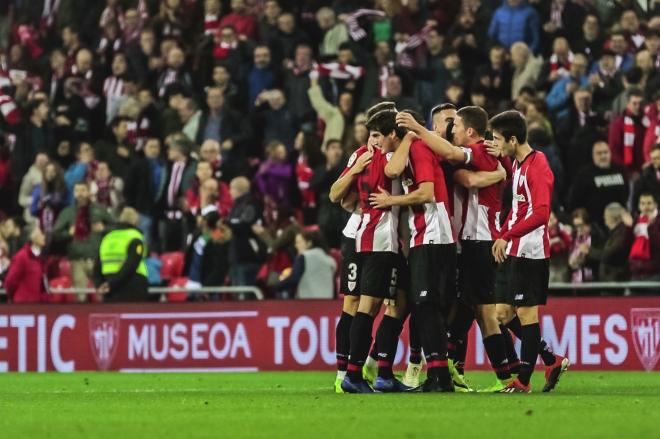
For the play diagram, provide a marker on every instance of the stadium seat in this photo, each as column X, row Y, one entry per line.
column 64, row 268
column 60, row 282
column 178, row 296
column 172, row 265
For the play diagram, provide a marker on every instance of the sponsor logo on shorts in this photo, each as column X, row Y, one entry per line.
column 518, row 297
column 423, row 293
column 646, row 335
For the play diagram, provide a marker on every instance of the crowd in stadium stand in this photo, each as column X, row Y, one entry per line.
column 247, row 110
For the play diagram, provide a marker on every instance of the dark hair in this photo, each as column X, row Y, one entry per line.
column 385, row 123
column 314, row 236
column 649, row 194
column 442, row 107
column 211, row 219
column 528, row 89
column 541, row 106
column 311, row 147
column 33, row 105
column 634, row 75
column 538, row 137
column 510, row 123
column 345, row 46
column 474, row 117
column 635, row 91
column 183, row 144
column 385, row 105
column 581, row 212
column 418, row 117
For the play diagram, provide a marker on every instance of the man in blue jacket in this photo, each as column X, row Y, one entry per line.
column 515, row 21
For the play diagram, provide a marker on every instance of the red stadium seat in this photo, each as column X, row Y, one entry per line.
column 178, row 296
column 172, row 265
column 60, row 282
column 64, row 267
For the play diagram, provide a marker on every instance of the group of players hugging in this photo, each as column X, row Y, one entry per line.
column 453, row 260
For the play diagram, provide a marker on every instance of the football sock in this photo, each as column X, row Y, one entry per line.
column 387, row 338
column 342, row 335
column 458, row 334
column 373, row 353
column 360, row 340
column 495, row 349
column 414, row 339
column 547, row 355
column 531, row 338
column 434, row 339
column 511, row 355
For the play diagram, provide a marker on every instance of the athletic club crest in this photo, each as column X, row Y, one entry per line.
column 103, row 338
column 646, row 335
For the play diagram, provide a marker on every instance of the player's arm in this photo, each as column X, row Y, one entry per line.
column 349, row 202
column 437, row 144
column 479, row 179
column 397, row 162
column 423, row 194
column 342, row 186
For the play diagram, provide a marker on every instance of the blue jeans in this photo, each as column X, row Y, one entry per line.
column 244, row 274
column 145, row 225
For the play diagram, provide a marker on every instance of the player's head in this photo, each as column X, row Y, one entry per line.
column 443, row 116
column 469, row 125
column 385, row 105
column 509, row 130
column 383, row 130
column 648, row 205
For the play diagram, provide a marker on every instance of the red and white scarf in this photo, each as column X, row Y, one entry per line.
column 354, row 29
column 8, row 107
column 652, row 118
column 641, row 248
column 221, row 51
column 628, row 138
column 304, row 175
column 340, row 71
column 563, row 68
column 403, row 48
column 211, row 24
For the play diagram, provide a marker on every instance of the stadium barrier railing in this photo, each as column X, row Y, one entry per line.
column 235, row 290
column 628, row 288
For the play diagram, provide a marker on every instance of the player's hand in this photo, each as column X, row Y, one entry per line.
column 381, row 199
column 499, row 250
column 493, row 148
column 410, row 136
column 362, row 162
column 407, row 121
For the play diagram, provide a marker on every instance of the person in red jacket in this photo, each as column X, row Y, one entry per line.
column 26, row 282
column 626, row 135
column 644, row 257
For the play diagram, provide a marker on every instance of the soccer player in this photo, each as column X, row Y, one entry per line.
column 377, row 241
column 524, row 247
column 432, row 257
column 351, row 263
column 480, row 227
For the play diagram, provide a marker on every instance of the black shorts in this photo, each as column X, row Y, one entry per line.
column 476, row 272
column 350, row 268
column 501, row 283
column 527, row 281
column 433, row 274
column 381, row 273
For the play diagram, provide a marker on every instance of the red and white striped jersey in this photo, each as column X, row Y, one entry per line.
column 429, row 223
column 377, row 231
column 480, row 210
column 350, row 230
column 527, row 223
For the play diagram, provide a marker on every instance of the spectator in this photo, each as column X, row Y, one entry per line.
column 245, row 251
column 174, row 73
column 309, row 157
column 650, row 80
column 527, row 68
column 32, row 178
column 599, row 184
column 585, row 235
column 106, row 189
column 394, row 93
column 626, row 135
column 80, row 227
column 559, row 98
column 268, row 21
column 296, row 84
column 243, row 22
column 83, row 169
column 619, row 45
column 561, row 17
column 224, row 125
column 286, row 40
column 652, row 122
column 26, row 278
column 645, row 252
column 11, row 236
column 114, row 90
column 179, row 177
column 195, row 196
column 49, row 198
column 313, row 273
column 558, row 66
column 536, row 112
column 115, row 150
column 604, row 81
column 560, row 244
column 212, row 14
column 335, row 118
column 34, row 136
column 631, row 81
column 649, row 180
column 334, row 33
column 591, row 41
column 331, row 217
column 190, row 117
column 143, row 57
column 234, row 96
column 496, row 75
column 275, row 176
column 275, row 118
column 144, row 183
column 262, row 76
column 515, row 21
column 613, row 255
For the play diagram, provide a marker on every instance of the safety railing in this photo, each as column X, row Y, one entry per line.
column 235, row 290
column 628, row 287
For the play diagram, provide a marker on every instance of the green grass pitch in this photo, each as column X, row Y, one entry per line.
column 301, row 404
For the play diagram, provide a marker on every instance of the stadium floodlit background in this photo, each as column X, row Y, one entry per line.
column 251, row 106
